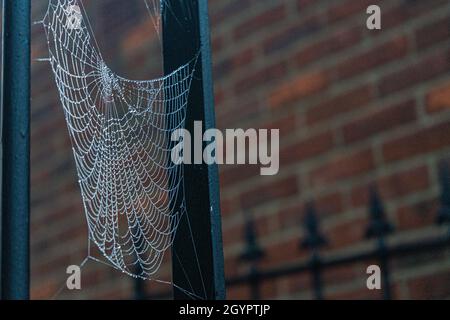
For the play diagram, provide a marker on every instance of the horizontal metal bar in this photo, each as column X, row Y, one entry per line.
column 394, row 251
column 304, row 266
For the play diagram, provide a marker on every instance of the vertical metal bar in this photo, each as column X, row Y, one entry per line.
column 384, row 266
column 197, row 252
column 314, row 241
column 16, row 149
column 316, row 265
column 254, row 280
column 253, row 254
column 379, row 228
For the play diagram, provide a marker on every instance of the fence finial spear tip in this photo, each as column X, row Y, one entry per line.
column 379, row 225
column 314, row 239
column 253, row 251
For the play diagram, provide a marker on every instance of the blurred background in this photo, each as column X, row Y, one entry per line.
column 365, row 140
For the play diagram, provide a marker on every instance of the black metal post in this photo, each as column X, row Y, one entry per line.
column 16, row 149
column 314, row 241
column 378, row 228
column 253, row 254
column 197, row 255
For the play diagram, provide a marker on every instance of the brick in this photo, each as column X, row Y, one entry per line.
column 360, row 293
column 237, row 174
column 343, row 167
column 342, row 103
column 342, row 274
column 303, row 4
column 239, row 112
column 260, row 22
column 393, row 17
column 272, row 53
column 45, row 129
column 291, row 35
column 431, row 286
column 286, row 125
column 345, row 9
column 433, row 34
column 286, row 250
column 342, row 39
column 387, row 52
column 400, row 13
column 217, row 44
column 298, row 283
column 133, row 40
column 272, row 191
column 421, row 141
column 52, row 264
column 58, row 215
column 417, row 215
column 329, row 204
column 241, row 292
column 229, row 10
column 306, row 149
column 290, row 216
column 439, row 99
column 346, row 233
column 93, row 277
column 326, row 205
column 227, row 207
column 394, row 186
column 268, row 289
column 231, row 266
column 113, row 13
column 44, row 291
column 264, row 225
column 380, row 122
column 299, row 88
column 219, row 96
column 229, row 65
column 42, row 89
column 234, row 235
column 261, row 77
column 414, row 74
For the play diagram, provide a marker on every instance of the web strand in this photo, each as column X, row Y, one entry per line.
column 120, row 129
column 133, row 195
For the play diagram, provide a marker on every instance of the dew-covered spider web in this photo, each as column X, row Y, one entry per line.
column 120, row 129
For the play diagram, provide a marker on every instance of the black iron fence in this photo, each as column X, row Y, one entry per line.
column 379, row 229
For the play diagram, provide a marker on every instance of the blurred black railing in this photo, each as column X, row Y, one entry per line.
column 379, row 230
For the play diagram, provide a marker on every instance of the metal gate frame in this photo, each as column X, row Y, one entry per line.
column 182, row 42
column 15, row 258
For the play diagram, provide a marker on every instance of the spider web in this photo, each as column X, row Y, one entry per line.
column 133, row 195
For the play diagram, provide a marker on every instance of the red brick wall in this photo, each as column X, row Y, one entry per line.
column 355, row 107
